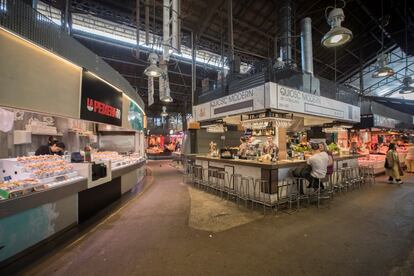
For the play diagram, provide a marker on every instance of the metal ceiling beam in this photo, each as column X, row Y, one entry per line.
column 204, row 22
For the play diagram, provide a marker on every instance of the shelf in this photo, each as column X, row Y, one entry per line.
column 46, row 134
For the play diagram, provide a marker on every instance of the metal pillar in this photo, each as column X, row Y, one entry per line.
column 230, row 31
column 137, row 20
column 193, row 71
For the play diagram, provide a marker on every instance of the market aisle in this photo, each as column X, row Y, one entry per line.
column 367, row 232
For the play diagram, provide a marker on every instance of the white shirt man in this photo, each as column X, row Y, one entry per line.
column 319, row 163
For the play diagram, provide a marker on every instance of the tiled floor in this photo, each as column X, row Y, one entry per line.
column 172, row 230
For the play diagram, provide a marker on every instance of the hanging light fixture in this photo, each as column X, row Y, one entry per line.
column 406, row 87
column 164, row 112
column 153, row 70
column 337, row 35
column 383, row 70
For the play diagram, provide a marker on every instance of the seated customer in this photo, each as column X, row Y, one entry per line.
column 319, row 163
column 53, row 148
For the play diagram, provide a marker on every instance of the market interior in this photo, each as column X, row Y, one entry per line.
column 163, row 137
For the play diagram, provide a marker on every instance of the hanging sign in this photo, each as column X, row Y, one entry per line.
column 293, row 100
column 150, row 91
column 100, row 101
column 238, row 103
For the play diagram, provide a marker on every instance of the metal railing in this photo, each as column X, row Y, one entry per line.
column 22, row 19
column 263, row 72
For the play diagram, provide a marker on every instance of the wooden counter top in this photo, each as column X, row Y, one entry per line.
column 253, row 163
column 268, row 165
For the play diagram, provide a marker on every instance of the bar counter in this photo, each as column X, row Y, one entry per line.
column 271, row 165
column 273, row 172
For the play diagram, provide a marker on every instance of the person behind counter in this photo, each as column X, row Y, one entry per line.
column 270, row 147
column 243, row 147
column 54, row 147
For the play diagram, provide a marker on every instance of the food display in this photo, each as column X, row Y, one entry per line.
column 18, row 188
column 155, row 150
column 373, row 160
column 25, row 175
column 117, row 160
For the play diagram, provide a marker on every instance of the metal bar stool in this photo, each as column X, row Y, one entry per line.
column 222, row 182
column 283, row 192
column 319, row 194
column 211, row 179
column 264, row 194
column 244, row 191
column 198, row 175
column 188, row 173
column 297, row 195
column 235, row 180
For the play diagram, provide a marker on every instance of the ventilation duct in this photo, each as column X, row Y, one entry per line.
column 309, row 82
column 306, row 45
column 286, row 31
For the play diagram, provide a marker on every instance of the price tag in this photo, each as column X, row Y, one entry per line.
column 61, row 178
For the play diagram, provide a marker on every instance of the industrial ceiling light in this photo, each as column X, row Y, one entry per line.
column 406, row 87
column 383, row 70
column 153, row 70
column 164, row 112
column 337, row 35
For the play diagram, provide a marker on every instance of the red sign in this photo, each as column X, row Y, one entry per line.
column 102, row 108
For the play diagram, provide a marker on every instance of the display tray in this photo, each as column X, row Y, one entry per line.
column 53, row 193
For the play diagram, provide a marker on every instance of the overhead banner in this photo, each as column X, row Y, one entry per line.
column 276, row 97
column 100, row 101
column 150, row 91
column 293, row 100
column 238, row 103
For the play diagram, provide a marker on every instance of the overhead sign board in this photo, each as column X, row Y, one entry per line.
column 238, row 103
column 293, row 100
column 100, row 102
column 276, row 97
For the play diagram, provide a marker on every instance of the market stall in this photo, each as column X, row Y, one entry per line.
column 56, row 169
column 267, row 114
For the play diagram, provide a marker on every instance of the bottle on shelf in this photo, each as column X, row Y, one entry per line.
column 88, row 157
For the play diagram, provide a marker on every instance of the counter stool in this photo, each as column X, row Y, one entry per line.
column 212, row 179
column 295, row 195
column 283, row 192
column 319, row 194
column 264, row 198
column 222, row 182
column 369, row 174
column 198, row 175
column 188, row 174
column 233, row 189
column 244, row 189
column 337, row 182
column 346, row 179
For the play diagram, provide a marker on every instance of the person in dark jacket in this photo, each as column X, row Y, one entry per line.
column 53, row 148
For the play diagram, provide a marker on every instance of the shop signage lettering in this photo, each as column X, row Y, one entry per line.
column 100, row 102
column 296, row 96
column 102, row 108
column 234, row 98
column 293, row 100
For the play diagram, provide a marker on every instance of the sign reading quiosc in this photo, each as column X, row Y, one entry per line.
column 100, row 102
column 290, row 99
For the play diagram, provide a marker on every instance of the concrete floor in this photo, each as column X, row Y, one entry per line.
column 365, row 232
